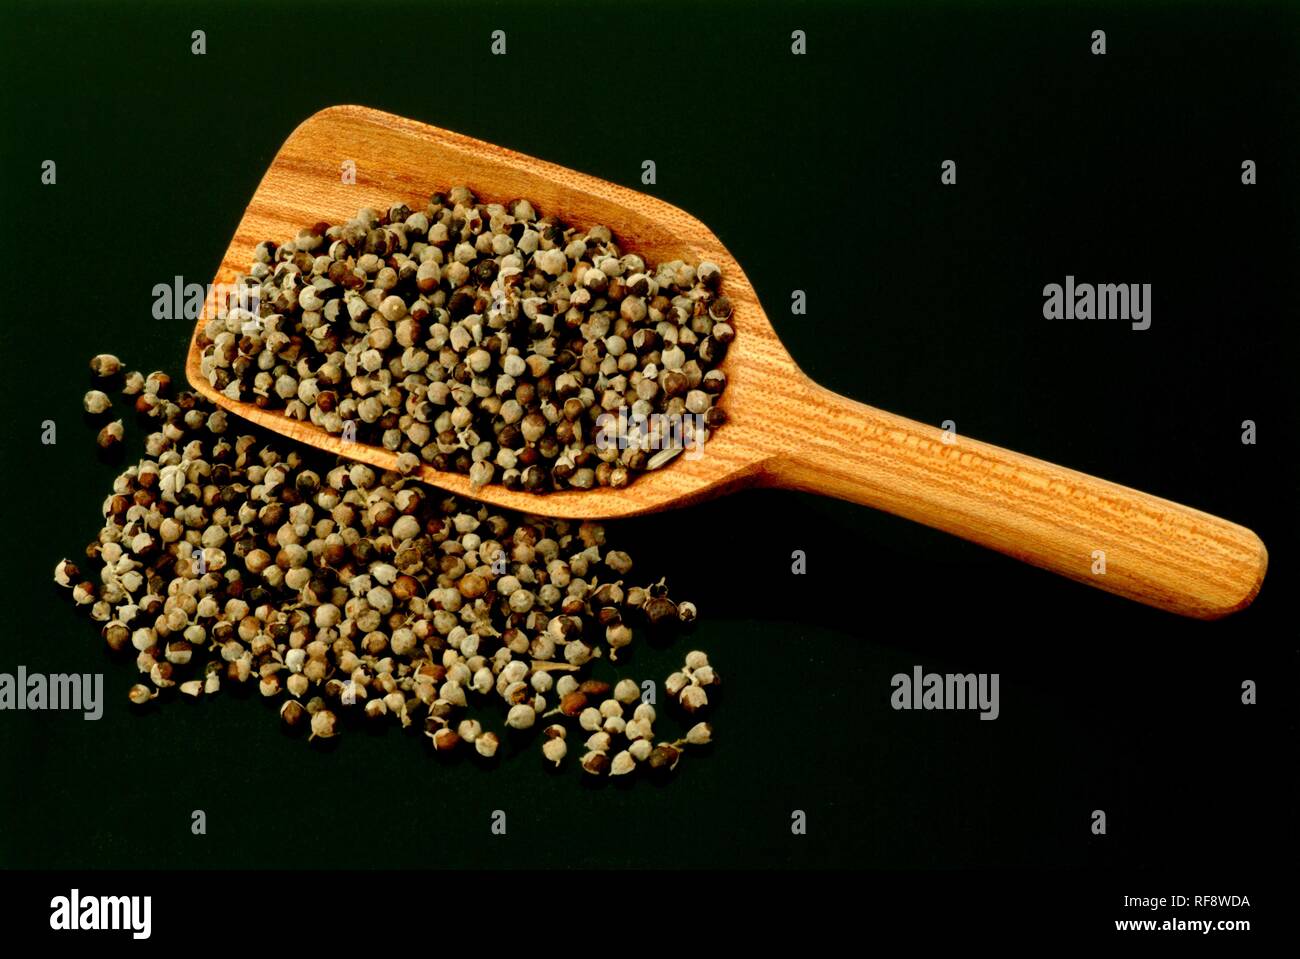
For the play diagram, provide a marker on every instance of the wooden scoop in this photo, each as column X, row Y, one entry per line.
column 782, row 429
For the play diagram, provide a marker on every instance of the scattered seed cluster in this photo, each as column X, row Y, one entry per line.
column 225, row 559
column 601, row 713
column 480, row 339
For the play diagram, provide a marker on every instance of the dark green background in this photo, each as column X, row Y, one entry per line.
column 819, row 173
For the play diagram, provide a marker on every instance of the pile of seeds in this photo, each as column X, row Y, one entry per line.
column 226, row 559
column 610, row 730
column 480, row 339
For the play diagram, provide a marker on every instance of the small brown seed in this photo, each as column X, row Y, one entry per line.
column 664, row 756
column 595, row 763
column 574, row 703
column 105, row 365
column 292, row 712
column 111, row 435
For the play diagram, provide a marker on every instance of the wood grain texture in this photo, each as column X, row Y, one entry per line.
column 783, row 430
column 1156, row 551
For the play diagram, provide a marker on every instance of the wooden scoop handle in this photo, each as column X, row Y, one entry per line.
column 1156, row 552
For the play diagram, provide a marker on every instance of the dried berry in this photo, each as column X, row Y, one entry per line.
column 481, row 339
column 234, row 557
